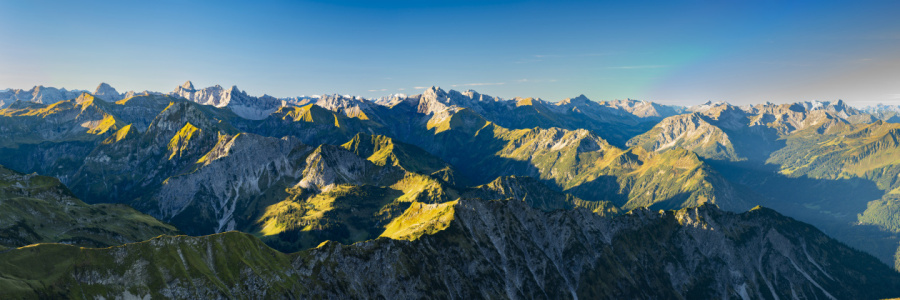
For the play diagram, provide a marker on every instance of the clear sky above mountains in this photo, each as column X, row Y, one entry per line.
column 667, row 51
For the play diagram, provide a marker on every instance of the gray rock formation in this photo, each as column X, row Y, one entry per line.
column 489, row 249
column 37, row 94
column 246, row 106
column 108, row 93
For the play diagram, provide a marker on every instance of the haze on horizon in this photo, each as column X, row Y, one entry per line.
column 669, row 52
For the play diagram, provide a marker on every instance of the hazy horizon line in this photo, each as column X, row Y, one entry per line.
column 421, row 89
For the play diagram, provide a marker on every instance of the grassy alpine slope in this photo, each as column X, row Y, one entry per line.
column 477, row 249
column 39, row 209
column 208, row 170
column 581, row 163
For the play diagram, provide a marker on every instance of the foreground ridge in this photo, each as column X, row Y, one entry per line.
column 489, row 249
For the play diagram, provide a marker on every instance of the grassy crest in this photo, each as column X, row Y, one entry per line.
column 39, row 209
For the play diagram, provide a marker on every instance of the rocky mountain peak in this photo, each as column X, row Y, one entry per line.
column 365, row 145
column 37, row 94
column 581, row 99
column 645, row 109
column 107, row 92
column 433, row 100
column 472, row 94
column 242, row 104
column 175, row 116
column 839, row 107
column 84, row 98
column 434, row 92
column 330, row 165
column 353, row 107
column 103, row 87
column 188, row 85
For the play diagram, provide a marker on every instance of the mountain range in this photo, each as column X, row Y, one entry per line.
column 340, row 196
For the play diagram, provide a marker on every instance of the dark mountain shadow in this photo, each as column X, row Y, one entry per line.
column 756, row 143
column 672, row 203
column 619, row 134
column 471, row 154
column 307, row 133
column 58, row 159
column 752, row 142
column 602, row 188
column 869, row 238
column 490, row 169
column 893, row 119
column 830, row 205
column 840, row 199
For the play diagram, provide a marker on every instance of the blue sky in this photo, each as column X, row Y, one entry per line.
column 677, row 52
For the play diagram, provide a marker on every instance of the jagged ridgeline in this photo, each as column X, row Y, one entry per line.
column 478, row 249
column 405, row 180
column 824, row 163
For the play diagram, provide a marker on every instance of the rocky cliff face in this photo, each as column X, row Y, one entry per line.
column 246, row 106
column 152, row 151
column 222, row 190
column 329, row 166
column 37, row 94
column 646, row 109
column 505, row 250
column 581, row 163
column 108, row 93
column 484, row 249
column 722, row 131
column 352, row 107
column 130, row 164
column 619, row 120
column 691, row 131
column 435, row 100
